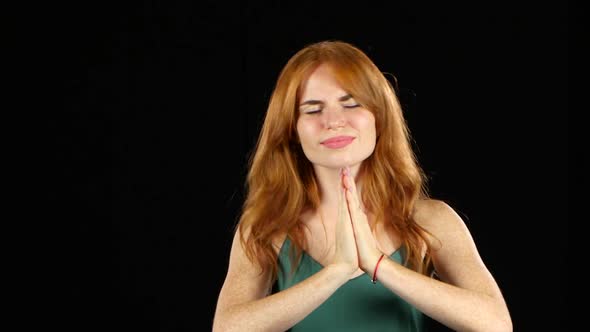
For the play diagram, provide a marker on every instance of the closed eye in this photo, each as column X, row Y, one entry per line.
column 313, row 110
column 317, row 111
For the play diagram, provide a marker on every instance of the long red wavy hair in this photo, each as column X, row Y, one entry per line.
column 281, row 184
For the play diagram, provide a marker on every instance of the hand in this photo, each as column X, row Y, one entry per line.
column 366, row 244
column 345, row 248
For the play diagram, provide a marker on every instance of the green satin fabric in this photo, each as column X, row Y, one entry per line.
column 358, row 305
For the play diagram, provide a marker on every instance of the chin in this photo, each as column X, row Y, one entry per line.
column 338, row 163
column 338, row 160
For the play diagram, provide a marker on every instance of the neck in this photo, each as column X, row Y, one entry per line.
column 330, row 185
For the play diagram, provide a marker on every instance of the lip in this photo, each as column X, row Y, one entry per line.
column 337, row 142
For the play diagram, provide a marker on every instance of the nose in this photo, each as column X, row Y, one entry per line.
column 334, row 118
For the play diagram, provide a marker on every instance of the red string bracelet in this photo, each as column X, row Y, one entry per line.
column 374, row 279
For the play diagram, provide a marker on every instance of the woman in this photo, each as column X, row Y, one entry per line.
column 337, row 230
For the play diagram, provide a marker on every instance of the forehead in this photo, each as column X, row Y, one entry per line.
column 322, row 82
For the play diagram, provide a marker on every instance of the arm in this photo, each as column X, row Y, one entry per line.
column 244, row 305
column 467, row 298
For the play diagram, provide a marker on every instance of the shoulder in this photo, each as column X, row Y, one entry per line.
column 242, row 234
column 428, row 211
column 438, row 217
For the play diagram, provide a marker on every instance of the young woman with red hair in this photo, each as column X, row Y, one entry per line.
column 337, row 231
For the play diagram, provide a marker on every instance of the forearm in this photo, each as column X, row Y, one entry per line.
column 457, row 308
column 280, row 311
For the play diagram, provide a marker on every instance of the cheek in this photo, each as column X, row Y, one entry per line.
column 365, row 122
column 305, row 130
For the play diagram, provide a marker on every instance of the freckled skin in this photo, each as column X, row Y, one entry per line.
column 337, row 232
column 335, row 118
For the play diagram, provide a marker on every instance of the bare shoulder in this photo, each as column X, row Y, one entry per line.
column 438, row 217
column 433, row 212
column 277, row 240
column 244, row 233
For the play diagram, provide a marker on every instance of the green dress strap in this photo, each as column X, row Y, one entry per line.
column 358, row 305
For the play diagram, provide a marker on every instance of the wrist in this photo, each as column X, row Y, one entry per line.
column 340, row 271
column 369, row 264
column 375, row 272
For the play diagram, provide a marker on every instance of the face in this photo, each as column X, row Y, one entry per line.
column 333, row 129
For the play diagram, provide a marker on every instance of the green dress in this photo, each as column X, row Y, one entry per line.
column 358, row 305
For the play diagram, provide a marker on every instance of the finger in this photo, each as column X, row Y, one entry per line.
column 351, row 192
column 343, row 215
column 354, row 209
column 357, row 215
column 340, row 203
column 345, row 210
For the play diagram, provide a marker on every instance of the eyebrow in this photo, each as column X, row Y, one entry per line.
column 316, row 102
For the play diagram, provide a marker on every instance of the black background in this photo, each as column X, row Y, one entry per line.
column 163, row 103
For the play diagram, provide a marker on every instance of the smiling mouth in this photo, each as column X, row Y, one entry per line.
column 338, row 142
